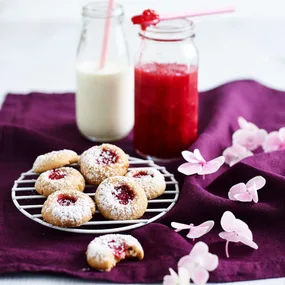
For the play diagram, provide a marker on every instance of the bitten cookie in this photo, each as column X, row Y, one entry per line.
column 103, row 161
column 104, row 252
column 68, row 208
column 54, row 159
column 120, row 198
column 150, row 179
column 64, row 178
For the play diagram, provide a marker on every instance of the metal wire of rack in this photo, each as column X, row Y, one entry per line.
column 28, row 202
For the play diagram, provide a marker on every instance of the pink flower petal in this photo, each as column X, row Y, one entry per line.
column 212, row 165
column 259, row 182
column 242, row 122
column 200, row 276
column 179, row 227
column 198, row 155
column 246, row 138
column 169, row 280
column 261, row 136
column 254, row 196
column 209, row 261
column 243, row 197
column 189, row 156
column 228, row 221
column 184, row 276
column 189, row 168
column 200, row 248
column 187, row 262
column 282, row 135
column 236, row 189
column 196, row 232
column 229, row 236
column 272, row 142
column 235, row 153
column 208, row 224
column 241, row 228
column 248, row 242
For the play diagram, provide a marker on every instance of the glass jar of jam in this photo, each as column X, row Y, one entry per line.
column 166, row 93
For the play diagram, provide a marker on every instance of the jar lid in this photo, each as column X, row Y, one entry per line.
column 170, row 30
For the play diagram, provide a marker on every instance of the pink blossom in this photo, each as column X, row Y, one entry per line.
column 274, row 141
column 194, row 231
column 182, row 278
column 235, row 230
column 249, row 135
column 199, row 262
column 247, row 192
column 198, row 165
column 235, row 153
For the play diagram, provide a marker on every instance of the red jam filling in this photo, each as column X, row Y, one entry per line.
column 119, row 250
column 141, row 174
column 65, row 200
column 147, row 18
column 124, row 194
column 56, row 174
column 107, row 157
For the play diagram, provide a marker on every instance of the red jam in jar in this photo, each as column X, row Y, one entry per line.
column 166, row 109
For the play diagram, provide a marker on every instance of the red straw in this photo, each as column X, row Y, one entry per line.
column 198, row 13
column 106, row 34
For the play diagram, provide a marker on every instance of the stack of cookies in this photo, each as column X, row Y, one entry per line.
column 120, row 195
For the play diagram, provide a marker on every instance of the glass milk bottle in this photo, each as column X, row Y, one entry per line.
column 104, row 96
column 166, row 95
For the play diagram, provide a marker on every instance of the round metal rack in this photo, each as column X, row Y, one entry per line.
column 30, row 203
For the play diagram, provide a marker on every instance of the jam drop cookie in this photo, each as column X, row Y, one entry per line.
column 104, row 252
column 64, row 178
column 68, row 208
column 54, row 159
column 150, row 179
column 103, row 161
column 120, row 198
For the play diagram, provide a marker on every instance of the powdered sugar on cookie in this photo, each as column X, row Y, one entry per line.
column 64, row 178
column 54, row 159
column 105, row 251
column 120, row 198
column 150, row 179
column 68, row 208
column 101, row 162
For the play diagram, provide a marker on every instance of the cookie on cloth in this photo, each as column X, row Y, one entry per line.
column 120, row 198
column 68, row 208
column 103, row 161
column 104, row 252
column 64, row 178
column 54, row 159
column 150, row 179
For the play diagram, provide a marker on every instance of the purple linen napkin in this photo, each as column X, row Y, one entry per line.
column 38, row 123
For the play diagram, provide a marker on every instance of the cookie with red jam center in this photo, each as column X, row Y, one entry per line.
column 103, row 161
column 68, row 208
column 64, row 178
column 104, row 252
column 54, row 159
column 120, row 198
column 150, row 179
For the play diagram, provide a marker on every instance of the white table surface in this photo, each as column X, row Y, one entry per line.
column 38, row 40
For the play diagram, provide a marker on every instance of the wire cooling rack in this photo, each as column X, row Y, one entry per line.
column 30, row 203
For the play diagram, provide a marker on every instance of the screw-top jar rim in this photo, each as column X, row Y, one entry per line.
column 98, row 9
column 171, row 30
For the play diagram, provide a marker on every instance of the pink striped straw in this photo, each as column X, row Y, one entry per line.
column 106, row 34
column 198, row 13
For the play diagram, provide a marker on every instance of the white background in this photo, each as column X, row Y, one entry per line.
column 38, row 39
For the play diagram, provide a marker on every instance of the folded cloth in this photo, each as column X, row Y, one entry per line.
column 37, row 123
